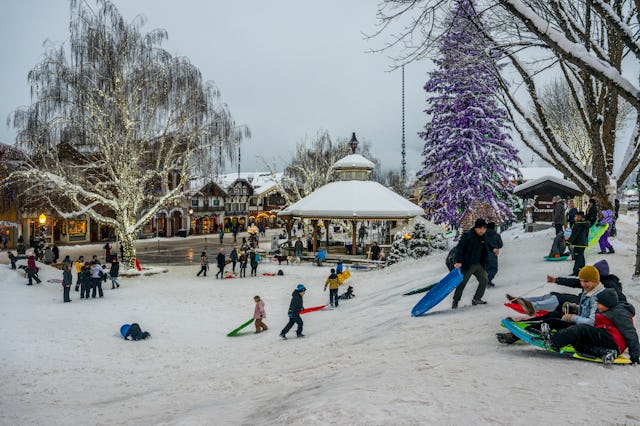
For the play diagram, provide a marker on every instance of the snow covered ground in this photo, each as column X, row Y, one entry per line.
column 367, row 362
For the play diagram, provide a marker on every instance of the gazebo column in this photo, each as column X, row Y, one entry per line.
column 314, row 226
column 327, row 223
column 354, row 225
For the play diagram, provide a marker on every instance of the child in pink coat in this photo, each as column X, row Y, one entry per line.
column 259, row 314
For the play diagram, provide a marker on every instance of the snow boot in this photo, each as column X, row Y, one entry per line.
column 611, row 250
column 602, row 252
column 300, row 335
column 609, row 356
column 284, row 337
column 506, row 338
column 545, row 333
column 475, row 302
column 527, row 306
column 454, row 305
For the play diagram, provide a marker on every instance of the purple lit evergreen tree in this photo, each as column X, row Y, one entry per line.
column 467, row 153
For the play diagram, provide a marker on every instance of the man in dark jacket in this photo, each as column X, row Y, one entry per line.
column 558, row 213
column 114, row 272
column 294, row 312
column 471, row 257
column 579, row 240
column 612, row 333
column 592, row 212
column 494, row 244
column 222, row 261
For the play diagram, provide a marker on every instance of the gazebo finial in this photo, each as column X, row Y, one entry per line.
column 353, row 143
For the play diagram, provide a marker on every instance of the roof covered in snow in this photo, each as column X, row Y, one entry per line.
column 353, row 161
column 547, row 185
column 529, row 173
column 353, row 199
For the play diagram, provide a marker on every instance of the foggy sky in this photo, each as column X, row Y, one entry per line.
column 285, row 68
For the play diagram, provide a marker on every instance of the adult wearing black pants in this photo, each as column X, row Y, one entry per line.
column 96, row 279
column 234, row 259
column 471, row 257
column 579, row 240
column 85, row 281
column 204, row 263
column 294, row 312
column 221, row 261
column 67, row 279
column 558, row 214
column 253, row 260
column 592, row 212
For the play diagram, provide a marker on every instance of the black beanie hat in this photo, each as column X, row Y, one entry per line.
column 607, row 297
column 480, row 223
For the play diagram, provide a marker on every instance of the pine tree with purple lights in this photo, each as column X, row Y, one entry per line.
column 467, row 152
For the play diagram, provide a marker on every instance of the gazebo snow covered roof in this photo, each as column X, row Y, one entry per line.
column 547, row 184
column 353, row 200
column 354, row 161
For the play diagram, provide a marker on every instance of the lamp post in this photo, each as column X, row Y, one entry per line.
column 42, row 219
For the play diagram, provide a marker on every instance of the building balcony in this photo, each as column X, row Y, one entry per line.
column 207, row 209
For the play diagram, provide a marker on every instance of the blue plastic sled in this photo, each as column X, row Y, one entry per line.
column 438, row 292
column 124, row 329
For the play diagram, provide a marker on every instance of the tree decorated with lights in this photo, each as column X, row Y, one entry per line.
column 467, row 153
column 117, row 126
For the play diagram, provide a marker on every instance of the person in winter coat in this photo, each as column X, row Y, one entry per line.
column 494, row 244
column 107, row 252
column 204, row 264
column 578, row 240
column 294, row 312
column 571, row 213
column 259, row 315
column 559, row 246
column 339, row 267
column 56, row 253
column 221, row 261
column 48, row 256
column 221, row 234
column 243, row 263
column 12, row 259
column 591, row 215
column 374, row 251
column 32, row 269
column 333, row 283
column 607, row 218
column 97, row 274
column 114, row 272
column 612, row 333
column 79, row 265
column 558, row 213
column 471, row 257
column 67, row 278
column 234, row 259
column 556, row 301
column 298, row 247
column 85, row 281
column 254, row 259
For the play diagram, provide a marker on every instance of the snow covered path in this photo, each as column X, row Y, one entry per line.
column 367, row 362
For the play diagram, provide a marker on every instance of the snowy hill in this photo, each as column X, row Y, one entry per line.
column 367, row 362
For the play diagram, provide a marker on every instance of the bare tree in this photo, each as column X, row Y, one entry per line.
column 117, row 126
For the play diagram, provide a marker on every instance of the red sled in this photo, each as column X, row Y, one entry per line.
column 138, row 267
column 315, row 308
column 268, row 274
column 229, row 276
column 516, row 307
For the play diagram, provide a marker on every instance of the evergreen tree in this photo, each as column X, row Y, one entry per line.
column 398, row 251
column 467, row 153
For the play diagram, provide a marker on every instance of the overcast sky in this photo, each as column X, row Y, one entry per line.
column 286, row 68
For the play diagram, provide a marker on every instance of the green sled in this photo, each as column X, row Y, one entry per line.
column 234, row 332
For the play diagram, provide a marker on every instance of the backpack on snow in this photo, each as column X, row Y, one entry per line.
column 451, row 259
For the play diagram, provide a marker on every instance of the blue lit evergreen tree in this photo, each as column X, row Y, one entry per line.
column 467, row 152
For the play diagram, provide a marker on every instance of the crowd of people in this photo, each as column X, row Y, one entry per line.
column 246, row 255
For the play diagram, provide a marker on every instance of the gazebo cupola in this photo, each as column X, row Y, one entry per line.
column 353, row 166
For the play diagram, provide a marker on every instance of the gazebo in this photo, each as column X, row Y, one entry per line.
column 353, row 198
column 541, row 191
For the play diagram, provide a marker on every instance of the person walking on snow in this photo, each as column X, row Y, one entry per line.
column 294, row 312
column 494, row 244
column 607, row 218
column 334, row 283
column 471, row 258
column 234, row 259
column 114, row 272
column 221, row 261
column 259, row 315
column 79, row 265
column 32, row 269
column 204, row 263
column 67, row 278
column 591, row 215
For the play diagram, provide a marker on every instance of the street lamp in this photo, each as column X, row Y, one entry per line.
column 42, row 219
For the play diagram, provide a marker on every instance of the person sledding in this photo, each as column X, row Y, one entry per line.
column 294, row 312
column 585, row 313
column 613, row 331
column 559, row 246
column 555, row 300
column 134, row 332
column 347, row 294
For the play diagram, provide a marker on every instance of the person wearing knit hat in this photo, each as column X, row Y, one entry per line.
column 472, row 254
column 613, row 331
column 578, row 240
column 607, row 279
column 589, row 273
